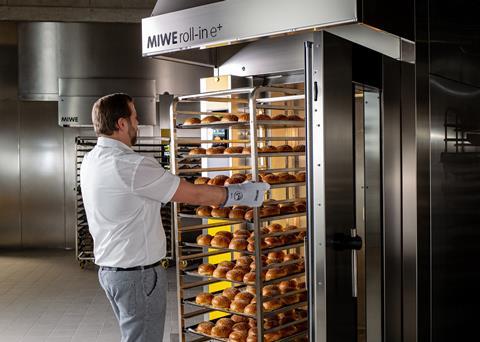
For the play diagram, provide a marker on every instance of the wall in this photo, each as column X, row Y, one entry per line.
column 37, row 157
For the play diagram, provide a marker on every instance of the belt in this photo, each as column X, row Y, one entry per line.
column 136, row 268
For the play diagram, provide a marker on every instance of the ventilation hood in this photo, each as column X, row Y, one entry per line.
column 176, row 27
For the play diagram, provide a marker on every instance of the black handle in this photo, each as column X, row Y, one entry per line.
column 315, row 91
column 342, row 242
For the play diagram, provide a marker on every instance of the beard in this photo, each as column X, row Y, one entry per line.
column 132, row 133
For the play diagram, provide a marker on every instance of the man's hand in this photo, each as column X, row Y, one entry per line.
column 249, row 194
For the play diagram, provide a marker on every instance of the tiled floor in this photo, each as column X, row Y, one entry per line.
column 45, row 296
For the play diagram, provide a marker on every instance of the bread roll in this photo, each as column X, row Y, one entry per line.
column 251, row 339
column 251, row 248
column 201, row 180
column 238, row 244
column 285, row 177
column 229, row 118
column 281, row 117
column 274, row 228
column 300, row 208
column 301, row 235
column 271, row 179
column 288, row 331
column 239, row 319
column 289, row 227
column 230, row 292
column 249, row 278
column 225, row 233
column 220, row 241
column 249, row 215
column 203, row 211
column 235, row 275
column 244, row 297
column 221, row 302
column 300, row 176
column 225, row 322
column 233, row 180
column 302, row 297
column 204, row 240
column 192, row 121
column 252, row 323
column 250, row 289
column 220, row 272
column 270, row 323
column 241, row 233
column 288, row 286
column 206, row 269
column 204, row 298
column 215, row 150
column 244, row 118
column 205, row 328
column 263, row 117
column 241, row 326
column 268, row 149
column 233, row 149
column 247, row 150
column 291, row 256
column 299, row 148
column 227, row 264
column 289, row 300
column 244, row 261
column 238, row 336
column 277, row 256
column 220, row 331
column 271, row 291
column 220, row 212
column 284, row 209
column 284, row 148
column 272, row 241
column 275, row 273
column 272, row 305
column 269, row 211
column 238, row 306
column 198, row 150
column 250, row 309
column 210, row 119
column 295, row 118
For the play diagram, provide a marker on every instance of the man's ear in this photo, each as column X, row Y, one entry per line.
column 119, row 123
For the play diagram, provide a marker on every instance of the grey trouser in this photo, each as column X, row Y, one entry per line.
column 138, row 300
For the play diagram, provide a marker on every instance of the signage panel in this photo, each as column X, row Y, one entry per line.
column 240, row 20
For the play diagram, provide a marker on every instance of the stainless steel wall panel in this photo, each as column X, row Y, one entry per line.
column 392, row 200
column 10, row 229
column 42, row 175
column 373, row 216
column 409, row 202
column 38, row 61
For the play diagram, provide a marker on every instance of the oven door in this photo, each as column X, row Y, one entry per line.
column 331, row 241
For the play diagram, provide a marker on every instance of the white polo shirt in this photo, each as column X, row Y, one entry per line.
column 122, row 192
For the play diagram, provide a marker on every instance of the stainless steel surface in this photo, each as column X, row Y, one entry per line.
column 38, row 61
column 336, row 90
column 167, row 6
column 10, row 224
column 280, row 55
column 383, row 42
column 353, row 234
column 409, row 203
column 49, row 51
column 41, row 176
column 373, row 215
column 77, row 96
column 223, row 23
column 392, row 201
column 330, row 165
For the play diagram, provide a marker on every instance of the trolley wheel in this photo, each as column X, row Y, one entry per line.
column 183, row 264
column 83, row 264
column 165, row 263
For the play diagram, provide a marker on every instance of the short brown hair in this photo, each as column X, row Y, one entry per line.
column 107, row 110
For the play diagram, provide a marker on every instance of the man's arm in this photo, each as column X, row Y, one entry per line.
column 200, row 194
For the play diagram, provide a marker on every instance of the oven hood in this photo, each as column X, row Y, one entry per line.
column 172, row 30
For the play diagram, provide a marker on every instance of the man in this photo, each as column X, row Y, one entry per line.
column 123, row 192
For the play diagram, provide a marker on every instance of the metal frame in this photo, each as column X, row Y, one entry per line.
column 156, row 146
column 252, row 99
